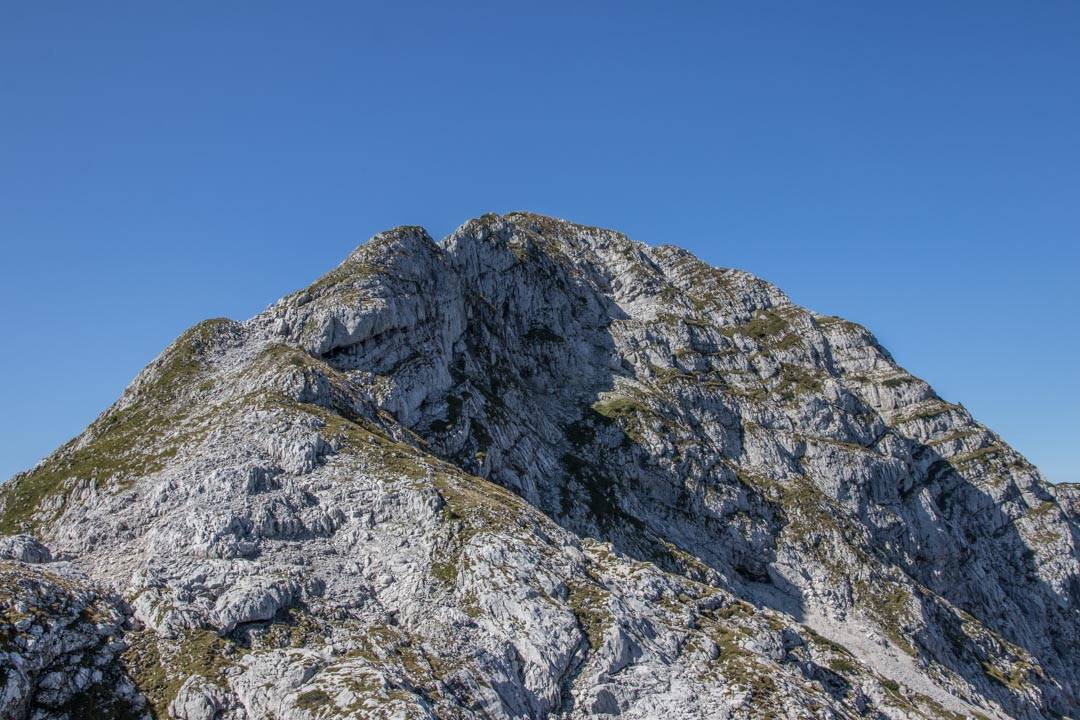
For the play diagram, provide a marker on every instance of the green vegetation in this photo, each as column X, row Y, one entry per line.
column 473, row 499
column 667, row 375
column 626, row 411
column 350, row 271
column 156, row 419
column 17, row 581
column 770, row 328
column 1013, row 677
column 588, row 602
column 756, row 482
column 276, row 355
column 671, row 558
column 893, row 610
column 445, row 572
column 825, row 643
column 547, row 226
column 827, row 321
column 619, row 407
column 807, row 510
column 937, row 408
column 352, row 434
column 796, row 381
column 737, row 665
column 787, row 342
column 939, row 711
column 843, row 666
column 296, row 629
column 763, row 326
column 630, row 409
column 1044, row 508
column 473, row 506
column 129, row 440
column 312, row 699
column 160, row 668
column 976, row 456
column 813, row 521
column 952, row 437
column 890, row 604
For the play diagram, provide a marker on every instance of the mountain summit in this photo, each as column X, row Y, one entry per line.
column 536, row 470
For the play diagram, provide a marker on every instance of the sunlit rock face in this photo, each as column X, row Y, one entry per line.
column 536, row 470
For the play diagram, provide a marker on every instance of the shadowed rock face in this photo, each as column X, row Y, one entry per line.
column 537, row 470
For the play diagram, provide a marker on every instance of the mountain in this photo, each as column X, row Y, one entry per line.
column 536, row 470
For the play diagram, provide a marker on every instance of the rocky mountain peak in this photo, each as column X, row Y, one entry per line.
column 537, row 470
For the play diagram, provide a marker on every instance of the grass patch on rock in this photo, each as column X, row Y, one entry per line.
column 135, row 437
column 159, row 667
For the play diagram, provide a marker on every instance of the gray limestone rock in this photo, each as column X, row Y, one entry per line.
column 537, row 470
column 23, row 548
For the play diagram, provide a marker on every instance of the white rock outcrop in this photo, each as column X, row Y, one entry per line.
column 536, row 470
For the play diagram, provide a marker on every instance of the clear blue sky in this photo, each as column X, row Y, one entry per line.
column 913, row 166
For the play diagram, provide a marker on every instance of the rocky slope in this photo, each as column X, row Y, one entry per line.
column 536, row 470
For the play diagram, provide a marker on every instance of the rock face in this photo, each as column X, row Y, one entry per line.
column 60, row 646
column 536, row 470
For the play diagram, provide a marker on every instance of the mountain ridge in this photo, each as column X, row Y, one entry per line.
column 720, row 504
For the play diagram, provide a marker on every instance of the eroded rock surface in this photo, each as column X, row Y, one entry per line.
column 538, row 470
column 61, row 640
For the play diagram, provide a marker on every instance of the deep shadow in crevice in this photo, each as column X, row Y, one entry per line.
column 537, row 354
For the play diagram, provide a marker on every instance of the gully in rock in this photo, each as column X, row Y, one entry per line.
column 536, row 470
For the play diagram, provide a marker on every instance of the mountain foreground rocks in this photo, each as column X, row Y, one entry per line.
column 536, row 470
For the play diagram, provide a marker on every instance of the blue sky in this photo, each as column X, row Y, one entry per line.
column 912, row 166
